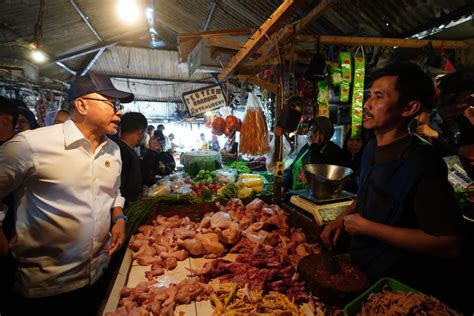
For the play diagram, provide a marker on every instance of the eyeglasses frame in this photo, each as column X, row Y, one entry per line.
column 116, row 105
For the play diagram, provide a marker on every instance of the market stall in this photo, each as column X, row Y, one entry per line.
column 284, row 88
column 301, row 230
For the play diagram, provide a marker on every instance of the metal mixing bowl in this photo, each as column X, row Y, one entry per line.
column 326, row 181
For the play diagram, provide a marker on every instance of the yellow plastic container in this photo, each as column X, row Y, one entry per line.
column 252, row 182
column 249, row 175
column 257, row 188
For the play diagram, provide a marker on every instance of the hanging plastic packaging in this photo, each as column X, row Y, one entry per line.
column 344, row 91
column 346, row 66
column 346, row 73
column 253, row 133
column 323, row 98
column 335, row 76
column 358, row 96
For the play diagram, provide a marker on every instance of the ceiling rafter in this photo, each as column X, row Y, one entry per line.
column 258, row 38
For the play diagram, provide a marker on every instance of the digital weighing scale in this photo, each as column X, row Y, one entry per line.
column 322, row 210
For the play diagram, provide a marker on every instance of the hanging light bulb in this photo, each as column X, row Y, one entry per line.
column 128, row 10
column 38, row 56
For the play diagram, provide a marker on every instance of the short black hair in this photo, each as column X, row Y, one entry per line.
column 9, row 107
column 63, row 111
column 132, row 122
column 159, row 135
column 160, row 126
column 150, row 127
column 413, row 84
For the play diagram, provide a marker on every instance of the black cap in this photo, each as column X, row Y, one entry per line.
column 101, row 84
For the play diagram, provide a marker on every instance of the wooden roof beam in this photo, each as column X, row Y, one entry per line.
column 268, row 27
column 187, row 42
column 199, row 35
column 291, row 30
column 380, row 41
column 259, row 82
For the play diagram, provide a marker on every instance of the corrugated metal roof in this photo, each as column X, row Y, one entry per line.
column 152, row 109
column 143, row 63
column 64, row 31
column 156, row 90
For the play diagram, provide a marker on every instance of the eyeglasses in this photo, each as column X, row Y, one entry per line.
column 114, row 103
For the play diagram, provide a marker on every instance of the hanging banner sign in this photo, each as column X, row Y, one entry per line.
column 205, row 99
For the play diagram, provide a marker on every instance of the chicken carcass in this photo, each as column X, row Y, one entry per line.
column 231, row 235
column 203, row 244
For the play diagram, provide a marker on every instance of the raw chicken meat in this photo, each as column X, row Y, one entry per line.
column 203, row 244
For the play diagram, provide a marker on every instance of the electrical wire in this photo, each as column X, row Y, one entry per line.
column 38, row 36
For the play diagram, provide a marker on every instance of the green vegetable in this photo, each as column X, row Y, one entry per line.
column 205, row 164
column 228, row 192
column 206, row 194
column 205, row 176
column 240, row 167
column 138, row 211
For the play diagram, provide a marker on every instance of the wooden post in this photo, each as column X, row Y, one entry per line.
column 278, row 133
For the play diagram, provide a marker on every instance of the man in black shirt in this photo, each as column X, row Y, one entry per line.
column 132, row 128
column 405, row 222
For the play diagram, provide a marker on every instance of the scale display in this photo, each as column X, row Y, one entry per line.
column 322, row 213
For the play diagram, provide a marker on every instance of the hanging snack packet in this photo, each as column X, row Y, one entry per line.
column 344, row 90
column 323, row 98
column 346, row 66
column 335, row 76
column 357, row 96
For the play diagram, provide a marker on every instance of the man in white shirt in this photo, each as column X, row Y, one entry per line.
column 68, row 217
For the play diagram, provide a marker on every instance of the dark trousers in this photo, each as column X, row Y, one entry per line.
column 84, row 301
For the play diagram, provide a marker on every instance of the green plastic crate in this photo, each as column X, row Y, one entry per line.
column 353, row 307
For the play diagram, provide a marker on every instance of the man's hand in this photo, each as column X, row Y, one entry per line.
column 425, row 129
column 331, row 232
column 118, row 236
column 355, row 224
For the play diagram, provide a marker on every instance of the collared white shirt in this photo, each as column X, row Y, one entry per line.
column 63, row 197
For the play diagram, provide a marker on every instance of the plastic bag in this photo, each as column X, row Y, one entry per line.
column 225, row 111
column 179, row 186
column 253, row 132
column 226, row 175
column 160, row 188
column 270, row 156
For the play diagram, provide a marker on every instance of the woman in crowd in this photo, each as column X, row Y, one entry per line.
column 26, row 120
column 319, row 150
column 156, row 161
column 353, row 149
column 230, row 151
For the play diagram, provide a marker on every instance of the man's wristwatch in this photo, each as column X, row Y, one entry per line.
column 115, row 218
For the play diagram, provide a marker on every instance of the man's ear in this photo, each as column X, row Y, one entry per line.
column 6, row 120
column 411, row 108
column 80, row 106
